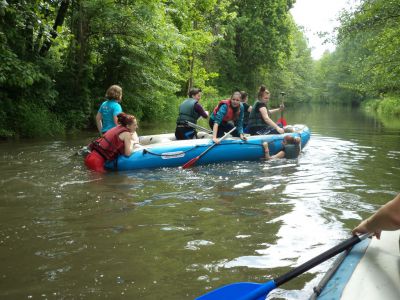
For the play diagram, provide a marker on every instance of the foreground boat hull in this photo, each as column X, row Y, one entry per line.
column 177, row 153
column 369, row 271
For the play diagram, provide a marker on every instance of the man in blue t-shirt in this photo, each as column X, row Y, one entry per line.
column 106, row 117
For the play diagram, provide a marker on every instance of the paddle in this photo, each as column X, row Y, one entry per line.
column 281, row 120
column 198, row 127
column 258, row 291
column 194, row 160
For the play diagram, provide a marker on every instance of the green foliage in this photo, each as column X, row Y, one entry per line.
column 57, row 58
column 387, row 109
column 254, row 43
column 390, row 106
column 36, row 121
column 367, row 56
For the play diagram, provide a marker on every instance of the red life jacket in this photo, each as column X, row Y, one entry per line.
column 230, row 115
column 110, row 145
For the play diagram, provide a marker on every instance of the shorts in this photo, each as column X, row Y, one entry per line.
column 185, row 133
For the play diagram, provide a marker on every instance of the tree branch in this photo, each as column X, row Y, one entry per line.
column 62, row 11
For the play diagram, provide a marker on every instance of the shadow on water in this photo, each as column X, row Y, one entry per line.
column 174, row 233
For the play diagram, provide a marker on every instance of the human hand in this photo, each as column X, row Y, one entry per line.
column 280, row 130
column 281, row 107
column 363, row 227
column 242, row 137
column 216, row 140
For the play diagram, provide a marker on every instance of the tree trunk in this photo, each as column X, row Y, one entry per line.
column 190, row 80
column 62, row 11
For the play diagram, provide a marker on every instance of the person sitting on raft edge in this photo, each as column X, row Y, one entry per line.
column 291, row 148
column 260, row 122
column 226, row 115
column 189, row 110
column 118, row 140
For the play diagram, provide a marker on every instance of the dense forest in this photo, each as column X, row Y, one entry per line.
column 57, row 58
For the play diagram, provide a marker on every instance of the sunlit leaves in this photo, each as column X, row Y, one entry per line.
column 373, row 33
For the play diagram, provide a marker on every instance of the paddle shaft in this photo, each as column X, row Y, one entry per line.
column 193, row 160
column 193, row 125
column 319, row 259
column 254, row 291
column 266, row 288
column 282, row 96
column 221, row 139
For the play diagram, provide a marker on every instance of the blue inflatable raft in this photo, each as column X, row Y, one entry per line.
column 167, row 153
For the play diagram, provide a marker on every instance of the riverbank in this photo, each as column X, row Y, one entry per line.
column 387, row 110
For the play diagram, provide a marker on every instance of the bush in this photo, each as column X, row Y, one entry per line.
column 390, row 106
column 36, row 121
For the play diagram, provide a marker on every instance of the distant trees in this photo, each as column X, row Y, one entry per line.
column 366, row 63
column 57, row 58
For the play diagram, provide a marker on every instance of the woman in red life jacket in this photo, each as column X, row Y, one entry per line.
column 227, row 114
column 118, row 140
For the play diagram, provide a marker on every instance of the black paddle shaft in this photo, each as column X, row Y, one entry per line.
column 317, row 260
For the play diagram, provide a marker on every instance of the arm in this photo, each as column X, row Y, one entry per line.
column 218, row 120
column 280, row 108
column 267, row 120
column 385, row 218
column 117, row 109
column 215, row 131
column 99, row 122
column 200, row 110
column 115, row 120
column 250, row 109
column 280, row 154
column 136, row 141
column 240, row 123
column 127, row 138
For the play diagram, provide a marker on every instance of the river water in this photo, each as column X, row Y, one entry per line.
column 67, row 233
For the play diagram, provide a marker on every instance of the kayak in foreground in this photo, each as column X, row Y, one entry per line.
column 370, row 271
column 169, row 153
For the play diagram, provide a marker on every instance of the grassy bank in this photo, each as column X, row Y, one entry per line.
column 387, row 110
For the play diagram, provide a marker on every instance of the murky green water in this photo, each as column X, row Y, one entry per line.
column 66, row 233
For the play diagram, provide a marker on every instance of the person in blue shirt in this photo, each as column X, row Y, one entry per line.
column 106, row 117
column 227, row 114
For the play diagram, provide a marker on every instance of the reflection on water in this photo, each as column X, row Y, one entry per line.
column 173, row 233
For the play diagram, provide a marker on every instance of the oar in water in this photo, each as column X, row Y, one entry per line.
column 191, row 162
column 193, row 125
column 258, row 291
column 282, row 120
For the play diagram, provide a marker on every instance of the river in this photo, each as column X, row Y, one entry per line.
column 67, row 233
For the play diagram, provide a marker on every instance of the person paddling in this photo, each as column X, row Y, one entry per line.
column 260, row 121
column 226, row 115
column 121, row 139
